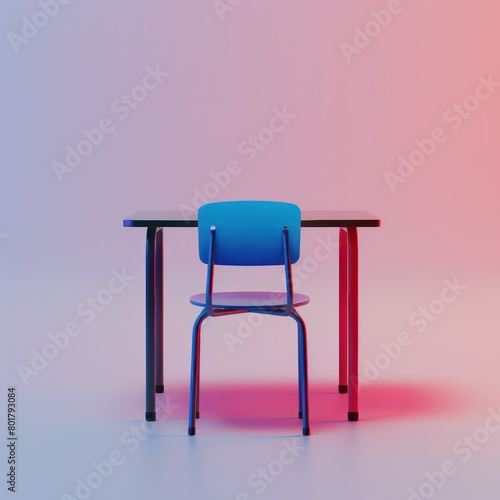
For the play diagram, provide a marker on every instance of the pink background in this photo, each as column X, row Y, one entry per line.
column 354, row 117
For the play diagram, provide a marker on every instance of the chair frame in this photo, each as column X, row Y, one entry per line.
column 278, row 310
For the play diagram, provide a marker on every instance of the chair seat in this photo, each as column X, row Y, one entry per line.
column 250, row 301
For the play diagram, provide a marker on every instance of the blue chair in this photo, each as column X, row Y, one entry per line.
column 249, row 233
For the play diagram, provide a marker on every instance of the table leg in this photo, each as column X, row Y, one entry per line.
column 343, row 321
column 352, row 235
column 150, row 323
column 159, row 386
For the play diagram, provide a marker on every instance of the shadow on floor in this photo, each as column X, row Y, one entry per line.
column 267, row 403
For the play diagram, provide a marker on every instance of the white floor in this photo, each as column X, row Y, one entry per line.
column 428, row 422
column 249, row 445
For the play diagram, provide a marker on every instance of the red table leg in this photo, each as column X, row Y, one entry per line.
column 352, row 234
column 343, row 320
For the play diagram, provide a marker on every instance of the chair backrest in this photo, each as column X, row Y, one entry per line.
column 249, row 233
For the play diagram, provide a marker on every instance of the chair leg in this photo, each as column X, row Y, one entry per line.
column 195, row 372
column 198, row 379
column 303, row 372
column 299, row 377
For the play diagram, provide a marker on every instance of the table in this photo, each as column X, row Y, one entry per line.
column 347, row 222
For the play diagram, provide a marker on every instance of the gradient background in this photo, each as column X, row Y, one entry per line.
column 60, row 241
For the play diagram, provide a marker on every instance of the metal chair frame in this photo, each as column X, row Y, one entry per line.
column 277, row 309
